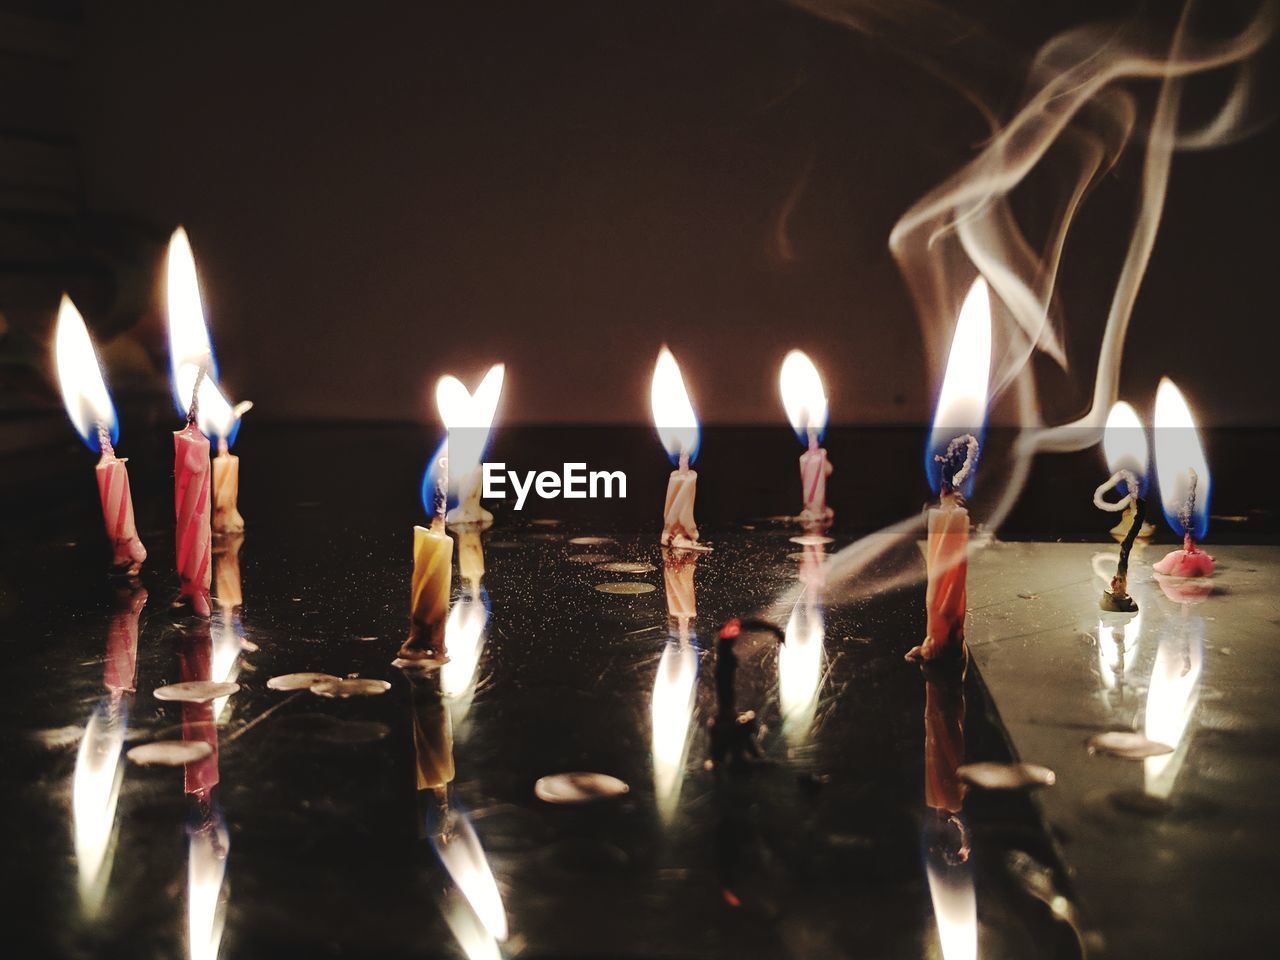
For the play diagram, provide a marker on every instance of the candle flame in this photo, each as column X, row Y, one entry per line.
column 95, row 791
column 803, row 396
column 464, row 860
column 1181, row 466
column 962, row 402
column 672, row 410
column 190, row 348
column 469, row 417
column 206, row 870
column 84, row 392
column 1124, row 441
column 671, row 713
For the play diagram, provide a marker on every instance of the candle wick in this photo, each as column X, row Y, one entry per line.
column 222, row 446
column 1120, row 476
column 104, row 441
column 193, row 411
column 684, row 461
column 958, row 462
column 813, row 439
column 1186, row 515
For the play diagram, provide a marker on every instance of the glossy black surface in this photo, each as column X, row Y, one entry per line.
column 818, row 849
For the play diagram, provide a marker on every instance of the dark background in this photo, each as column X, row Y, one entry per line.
column 378, row 193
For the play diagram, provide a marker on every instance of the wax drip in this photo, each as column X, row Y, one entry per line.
column 956, row 469
column 104, row 441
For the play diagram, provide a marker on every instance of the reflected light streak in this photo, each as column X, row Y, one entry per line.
column 1172, row 698
column 671, row 710
column 464, row 859
column 465, row 641
column 955, row 906
column 800, row 664
column 95, row 792
column 206, row 873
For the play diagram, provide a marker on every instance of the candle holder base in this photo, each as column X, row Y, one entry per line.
column 1117, row 602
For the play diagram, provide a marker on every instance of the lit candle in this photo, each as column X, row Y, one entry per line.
column 951, row 458
column 432, row 570
column 1184, row 483
column 192, row 534
column 678, row 430
column 469, row 420
column 806, row 405
column 1125, row 444
column 84, row 394
column 191, row 357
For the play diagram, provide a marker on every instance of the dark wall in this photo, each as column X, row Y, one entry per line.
column 378, row 193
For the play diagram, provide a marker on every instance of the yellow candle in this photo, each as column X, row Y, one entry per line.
column 429, row 596
column 226, row 489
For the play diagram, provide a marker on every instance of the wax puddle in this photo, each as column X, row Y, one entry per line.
column 625, row 566
column 591, row 541
column 626, row 587
column 195, row 691
column 812, row 540
column 1127, row 745
column 170, row 753
column 579, row 787
column 352, row 687
column 299, row 681
column 1006, row 776
column 589, row 557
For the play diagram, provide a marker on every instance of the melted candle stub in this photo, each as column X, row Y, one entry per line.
column 579, row 787
column 1127, row 745
column 354, row 687
column 299, row 681
column 196, row 691
column 170, row 753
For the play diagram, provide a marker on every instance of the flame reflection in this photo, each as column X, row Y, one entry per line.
column 1172, row 697
column 207, row 850
column 99, row 774
column 464, row 640
column 800, row 668
column 671, row 715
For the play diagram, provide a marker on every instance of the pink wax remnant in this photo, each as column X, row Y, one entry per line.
column 1185, row 563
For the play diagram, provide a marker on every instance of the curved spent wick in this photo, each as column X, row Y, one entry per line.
column 1120, row 476
column 960, row 460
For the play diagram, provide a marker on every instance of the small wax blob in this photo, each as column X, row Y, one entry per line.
column 299, row 681
column 170, row 753
column 1185, row 563
column 1127, row 744
column 196, row 691
column 578, row 787
column 351, row 687
column 626, row 587
column 1006, row 776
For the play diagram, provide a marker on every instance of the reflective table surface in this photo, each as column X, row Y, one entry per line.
column 406, row 823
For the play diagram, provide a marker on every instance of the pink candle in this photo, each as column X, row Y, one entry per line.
column 946, row 559
column 814, row 470
column 191, row 482
column 127, row 551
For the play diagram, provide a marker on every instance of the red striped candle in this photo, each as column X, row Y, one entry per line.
column 127, row 551
column 191, row 483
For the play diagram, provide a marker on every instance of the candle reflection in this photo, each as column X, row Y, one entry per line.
column 1118, row 638
column 674, row 686
column 209, row 842
column 473, row 907
column 95, row 787
column 945, row 835
column 1172, row 697
column 226, row 628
